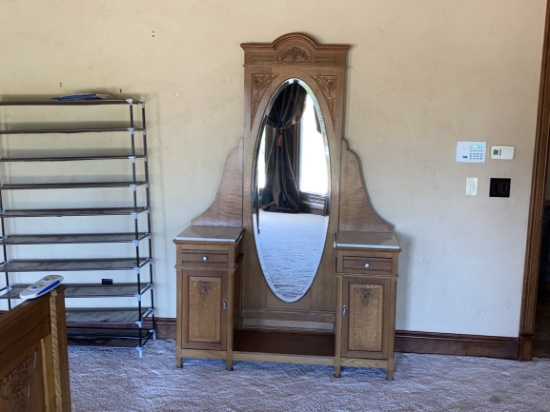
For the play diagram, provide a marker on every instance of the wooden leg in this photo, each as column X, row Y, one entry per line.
column 179, row 362
column 336, row 371
column 229, row 365
column 389, row 370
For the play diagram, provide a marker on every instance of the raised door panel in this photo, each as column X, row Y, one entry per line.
column 22, row 383
column 204, row 311
column 365, row 323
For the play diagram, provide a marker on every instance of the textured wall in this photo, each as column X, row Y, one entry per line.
column 422, row 76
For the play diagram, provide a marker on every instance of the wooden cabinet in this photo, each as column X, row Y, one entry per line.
column 365, row 318
column 366, row 305
column 208, row 270
column 204, row 310
column 346, row 316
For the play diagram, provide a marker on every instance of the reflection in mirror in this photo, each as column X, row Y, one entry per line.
column 291, row 193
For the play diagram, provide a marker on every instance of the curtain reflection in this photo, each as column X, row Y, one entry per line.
column 282, row 148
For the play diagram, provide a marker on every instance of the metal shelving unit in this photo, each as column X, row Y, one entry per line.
column 118, row 324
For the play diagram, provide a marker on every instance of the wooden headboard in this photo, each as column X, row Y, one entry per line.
column 34, row 367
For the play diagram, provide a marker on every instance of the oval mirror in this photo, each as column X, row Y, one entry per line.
column 291, row 198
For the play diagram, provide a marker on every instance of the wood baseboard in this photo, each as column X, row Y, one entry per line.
column 456, row 344
column 419, row 342
column 424, row 342
column 525, row 351
column 166, row 327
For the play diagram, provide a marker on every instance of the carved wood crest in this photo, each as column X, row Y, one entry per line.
column 295, row 55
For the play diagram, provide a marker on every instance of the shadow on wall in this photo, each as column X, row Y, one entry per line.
column 403, row 282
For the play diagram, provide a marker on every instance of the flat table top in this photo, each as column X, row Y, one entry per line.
column 366, row 240
column 224, row 234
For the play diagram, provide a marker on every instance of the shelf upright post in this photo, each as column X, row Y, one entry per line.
column 4, row 248
column 148, row 205
column 136, row 223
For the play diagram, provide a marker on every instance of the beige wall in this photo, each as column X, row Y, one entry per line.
column 423, row 75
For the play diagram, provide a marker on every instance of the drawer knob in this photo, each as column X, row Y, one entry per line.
column 204, row 258
column 367, row 265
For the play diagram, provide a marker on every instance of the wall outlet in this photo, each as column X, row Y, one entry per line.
column 499, row 187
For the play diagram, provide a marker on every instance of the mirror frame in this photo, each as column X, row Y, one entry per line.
column 323, row 68
column 266, row 67
column 297, row 293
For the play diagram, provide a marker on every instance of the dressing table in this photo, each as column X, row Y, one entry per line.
column 238, row 261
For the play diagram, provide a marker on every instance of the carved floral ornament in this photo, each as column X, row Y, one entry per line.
column 262, row 81
column 204, row 289
column 327, row 84
column 366, row 294
column 295, row 55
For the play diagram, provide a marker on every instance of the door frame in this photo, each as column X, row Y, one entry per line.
column 536, row 205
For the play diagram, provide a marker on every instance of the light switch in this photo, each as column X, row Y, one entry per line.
column 471, row 186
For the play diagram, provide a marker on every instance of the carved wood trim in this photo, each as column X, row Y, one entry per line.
column 294, row 54
column 55, row 348
column 295, row 49
column 34, row 372
column 204, row 289
column 327, row 84
column 15, row 387
column 365, row 294
column 260, row 83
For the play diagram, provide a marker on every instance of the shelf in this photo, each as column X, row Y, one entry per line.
column 71, row 185
column 63, row 265
column 109, row 338
column 31, row 157
column 88, row 290
column 112, row 211
column 285, row 343
column 73, row 238
column 37, row 141
column 68, row 102
column 75, row 129
column 113, row 318
column 119, row 290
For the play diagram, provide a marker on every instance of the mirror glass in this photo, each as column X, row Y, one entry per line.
column 291, row 201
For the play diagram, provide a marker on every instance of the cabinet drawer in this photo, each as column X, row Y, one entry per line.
column 204, row 258
column 366, row 263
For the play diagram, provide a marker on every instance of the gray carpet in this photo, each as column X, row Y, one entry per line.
column 117, row 380
column 300, row 238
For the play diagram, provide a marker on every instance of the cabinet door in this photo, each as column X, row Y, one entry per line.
column 366, row 310
column 204, row 310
